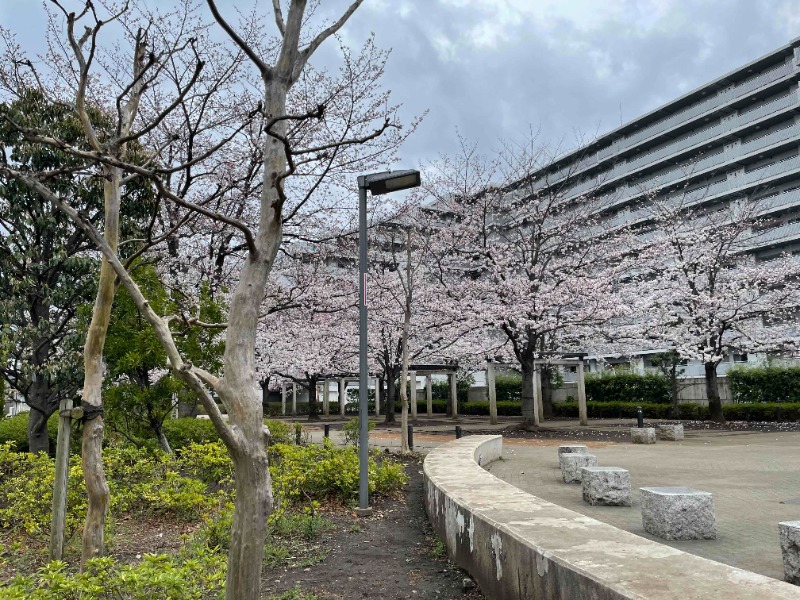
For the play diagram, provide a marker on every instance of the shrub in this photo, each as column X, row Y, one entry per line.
column 15, row 429
column 280, row 432
column 351, row 430
column 186, row 576
column 762, row 411
column 651, row 388
column 627, row 410
column 508, row 387
column 765, row 384
column 187, row 430
column 301, row 473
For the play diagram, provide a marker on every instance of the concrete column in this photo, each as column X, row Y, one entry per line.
column 429, row 393
column 378, row 382
column 490, row 383
column 294, row 399
column 453, row 395
column 326, row 397
column 283, row 398
column 537, row 400
column 582, row 414
column 412, row 396
column 342, row 396
column 540, row 404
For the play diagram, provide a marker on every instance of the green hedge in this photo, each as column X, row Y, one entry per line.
column 763, row 411
column 15, row 429
column 765, row 384
column 627, row 410
column 628, row 387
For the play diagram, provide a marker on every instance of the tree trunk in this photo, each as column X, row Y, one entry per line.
column 92, row 443
column 252, row 507
column 673, row 390
column 38, row 440
column 712, row 393
column 313, row 404
column 158, row 427
column 527, row 394
column 547, row 390
column 40, row 398
column 391, row 395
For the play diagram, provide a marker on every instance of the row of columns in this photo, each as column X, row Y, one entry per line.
column 412, row 376
column 538, row 407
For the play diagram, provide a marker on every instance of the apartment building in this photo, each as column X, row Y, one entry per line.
column 736, row 136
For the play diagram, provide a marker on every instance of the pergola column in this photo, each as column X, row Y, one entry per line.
column 342, row 395
column 490, row 383
column 378, row 383
column 583, row 417
column 453, row 395
column 540, row 405
column 412, row 382
column 294, row 399
column 429, row 393
column 326, row 397
column 536, row 399
column 283, row 398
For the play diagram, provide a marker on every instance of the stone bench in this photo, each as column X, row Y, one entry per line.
column 610, row 486
column 571, row 465
column 572, row 449
column 643, row 435
column 790, row 548
column 678, row 513
column 671, row 433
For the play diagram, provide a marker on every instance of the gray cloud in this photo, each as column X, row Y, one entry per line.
column 569, row 68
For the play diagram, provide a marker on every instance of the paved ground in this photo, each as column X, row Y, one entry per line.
column 755, row 479
column 754, row 476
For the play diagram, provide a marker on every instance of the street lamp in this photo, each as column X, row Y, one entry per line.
column 377, row 184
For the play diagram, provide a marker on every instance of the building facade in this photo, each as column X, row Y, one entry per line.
column 736, row 136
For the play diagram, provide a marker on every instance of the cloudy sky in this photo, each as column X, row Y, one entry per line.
column 570, row 69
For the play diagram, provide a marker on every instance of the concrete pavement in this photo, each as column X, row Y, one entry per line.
column 754, row 477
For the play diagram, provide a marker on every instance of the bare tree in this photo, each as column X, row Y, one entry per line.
column 302, row 141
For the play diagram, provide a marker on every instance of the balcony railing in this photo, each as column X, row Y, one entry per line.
column 715, row 160
column 699, row 108
column 696, row 139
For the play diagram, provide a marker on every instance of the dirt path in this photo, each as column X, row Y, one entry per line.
column 391, row 555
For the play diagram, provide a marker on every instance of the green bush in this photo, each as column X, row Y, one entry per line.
column 302, row 473
column 651, row 388
column 504, row 408
column 765, row 384
column 627, row 410
column 187, row 430
column 763, row 411
column 15, row 429
column 190, row 575
column 508, row 387
column 351, row 430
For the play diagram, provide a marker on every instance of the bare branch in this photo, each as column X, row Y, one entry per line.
column 276, row 5
column 264, row 69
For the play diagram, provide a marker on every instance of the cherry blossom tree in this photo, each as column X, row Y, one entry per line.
column 533, row 268
column 698, row 289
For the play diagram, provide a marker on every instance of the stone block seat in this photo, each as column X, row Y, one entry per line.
column 572, row 449
column 643, row 435
column 790, row 548
column 610, row 486
column 671, row 433
column 678, row 513
column 571, row 465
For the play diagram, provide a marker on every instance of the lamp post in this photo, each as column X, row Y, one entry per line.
column 378, row 184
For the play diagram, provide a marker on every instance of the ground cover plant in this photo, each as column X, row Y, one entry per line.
column 191, row 490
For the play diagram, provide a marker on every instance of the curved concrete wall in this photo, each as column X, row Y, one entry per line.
column 519, row 546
